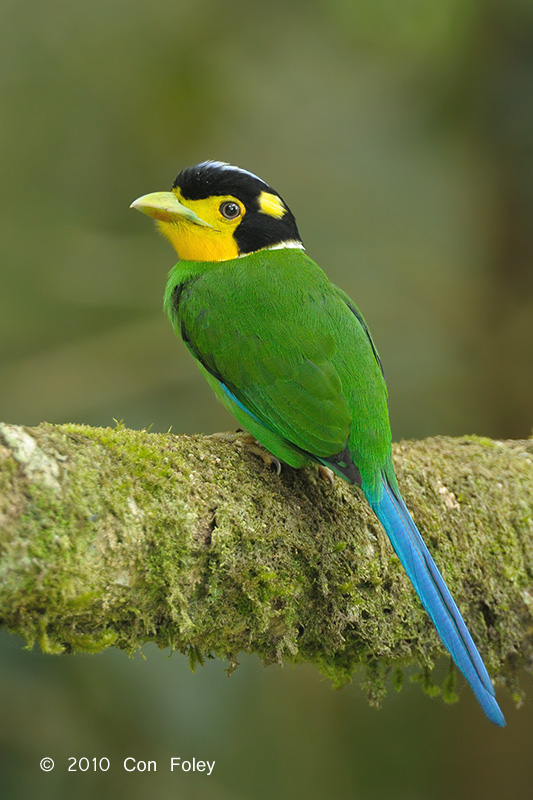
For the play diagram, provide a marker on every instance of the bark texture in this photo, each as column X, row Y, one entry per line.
column 115, row 537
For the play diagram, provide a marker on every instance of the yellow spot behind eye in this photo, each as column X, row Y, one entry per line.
column 271, row 204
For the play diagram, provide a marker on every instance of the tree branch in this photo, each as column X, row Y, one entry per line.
column 118, row 537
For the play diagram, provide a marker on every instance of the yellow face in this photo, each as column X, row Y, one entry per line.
column 198, row 230
column 205, row 229
column 194, row 242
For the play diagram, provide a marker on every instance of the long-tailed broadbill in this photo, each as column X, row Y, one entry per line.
column 291, row 357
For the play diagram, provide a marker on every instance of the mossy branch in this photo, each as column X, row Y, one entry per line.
column 118, row 537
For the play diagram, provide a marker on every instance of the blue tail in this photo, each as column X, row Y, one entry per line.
column 433, row 592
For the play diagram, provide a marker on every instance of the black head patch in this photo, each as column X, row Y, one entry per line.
column 257, row 229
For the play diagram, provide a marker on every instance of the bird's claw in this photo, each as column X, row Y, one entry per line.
column 327, row 475
column 267, row 458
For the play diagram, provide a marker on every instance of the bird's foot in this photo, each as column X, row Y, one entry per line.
column 267, row 458
column 251, row 443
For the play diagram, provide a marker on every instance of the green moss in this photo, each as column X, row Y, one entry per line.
column 449, row 695
column 84, row 642
column 193, row 543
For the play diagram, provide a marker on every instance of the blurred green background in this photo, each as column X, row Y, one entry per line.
column 401, row 136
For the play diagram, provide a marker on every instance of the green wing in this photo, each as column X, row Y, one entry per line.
column 282, row 341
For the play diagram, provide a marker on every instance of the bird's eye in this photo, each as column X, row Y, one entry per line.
column 230, row 210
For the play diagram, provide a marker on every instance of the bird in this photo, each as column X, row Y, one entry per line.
column 292, row 358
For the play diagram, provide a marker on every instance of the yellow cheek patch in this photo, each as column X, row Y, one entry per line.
column 271, row 204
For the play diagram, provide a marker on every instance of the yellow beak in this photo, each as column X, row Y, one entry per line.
column 166, row 207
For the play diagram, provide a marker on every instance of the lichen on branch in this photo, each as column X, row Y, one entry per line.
column 119, row 537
